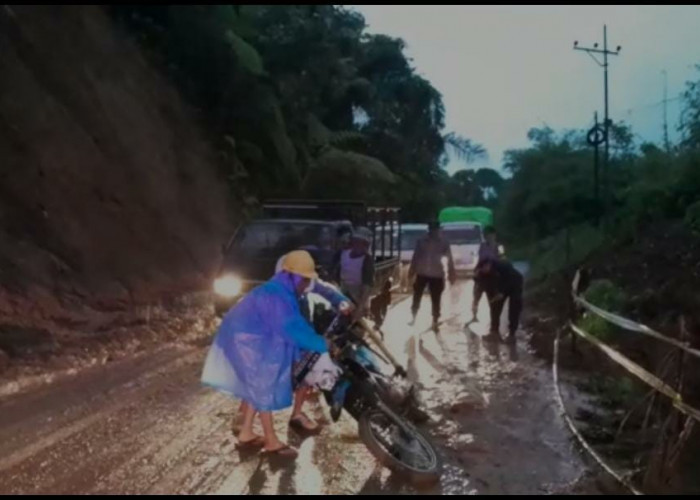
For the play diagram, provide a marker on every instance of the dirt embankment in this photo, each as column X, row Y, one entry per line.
column 659, row 274
column 109, row 196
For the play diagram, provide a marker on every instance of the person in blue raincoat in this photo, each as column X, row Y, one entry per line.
column 257, row 343
column 299, row 421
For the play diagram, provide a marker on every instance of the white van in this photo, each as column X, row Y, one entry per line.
column 465, row 239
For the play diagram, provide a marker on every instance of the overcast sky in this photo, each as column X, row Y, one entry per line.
column 502, row 70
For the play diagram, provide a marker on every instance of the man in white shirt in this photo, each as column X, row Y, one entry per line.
column 428, row 268
column 356, row 270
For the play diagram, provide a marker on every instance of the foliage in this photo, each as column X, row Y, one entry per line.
column 692, row 217
column 286, row 84
column 299, row 99
column 552, row 185
column 690, row 119
column 614, row 392
column 604, row 294
column 551, row 254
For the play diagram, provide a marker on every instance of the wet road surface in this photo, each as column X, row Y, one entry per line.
column 145, row 425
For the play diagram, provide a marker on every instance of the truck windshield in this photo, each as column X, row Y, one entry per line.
column 463, row 235
column 410, row 237
column 277, row 238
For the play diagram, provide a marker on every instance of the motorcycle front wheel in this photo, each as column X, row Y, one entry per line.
column 399, row 446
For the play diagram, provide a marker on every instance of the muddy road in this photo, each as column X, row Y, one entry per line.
column 145, row 425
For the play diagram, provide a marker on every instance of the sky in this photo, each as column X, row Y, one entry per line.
column 505, row 69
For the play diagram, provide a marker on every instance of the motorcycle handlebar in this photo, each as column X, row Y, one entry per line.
column 399, row 371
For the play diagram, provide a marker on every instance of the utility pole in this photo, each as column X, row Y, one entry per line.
column 667, row 144
column 606, row 124
column 595, row 137
column 596, row 190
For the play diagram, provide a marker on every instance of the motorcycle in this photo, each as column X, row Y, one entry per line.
column 380, row 403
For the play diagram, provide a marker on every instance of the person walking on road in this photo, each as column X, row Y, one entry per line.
column 428, row 268
column 501, row 281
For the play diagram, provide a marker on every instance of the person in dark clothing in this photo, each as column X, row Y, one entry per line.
column 487, row 250
column 500, row 281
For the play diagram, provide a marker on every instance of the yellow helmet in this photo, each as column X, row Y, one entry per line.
column 301, row 263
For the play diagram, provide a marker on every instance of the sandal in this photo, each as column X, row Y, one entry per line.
column 255, row 443
column 285, row 451
column 297, row 424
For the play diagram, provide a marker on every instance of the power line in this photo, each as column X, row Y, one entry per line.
column 657, row 103
column 679, row 96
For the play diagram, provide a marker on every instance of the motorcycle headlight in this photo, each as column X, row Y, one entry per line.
column 228, row 286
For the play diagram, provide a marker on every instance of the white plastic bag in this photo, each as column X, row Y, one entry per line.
column 324, row 374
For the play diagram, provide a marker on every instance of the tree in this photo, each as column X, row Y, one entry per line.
column 279, row 88
column 464, row 149
column 490, row 183
column 551, row 186
column 621, row 141
column 690, row 117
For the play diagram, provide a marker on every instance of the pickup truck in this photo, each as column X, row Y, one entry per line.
column 321, row 227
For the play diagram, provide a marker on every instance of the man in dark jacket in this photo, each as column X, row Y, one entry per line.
column 487, row 250
column 501, row 281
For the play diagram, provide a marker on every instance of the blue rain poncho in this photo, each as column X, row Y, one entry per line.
column 325, row 290
column 258, row 341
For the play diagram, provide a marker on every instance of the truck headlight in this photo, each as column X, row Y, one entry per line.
column 228, row 286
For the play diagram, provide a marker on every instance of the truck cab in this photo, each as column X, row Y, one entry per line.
column 465, row 238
